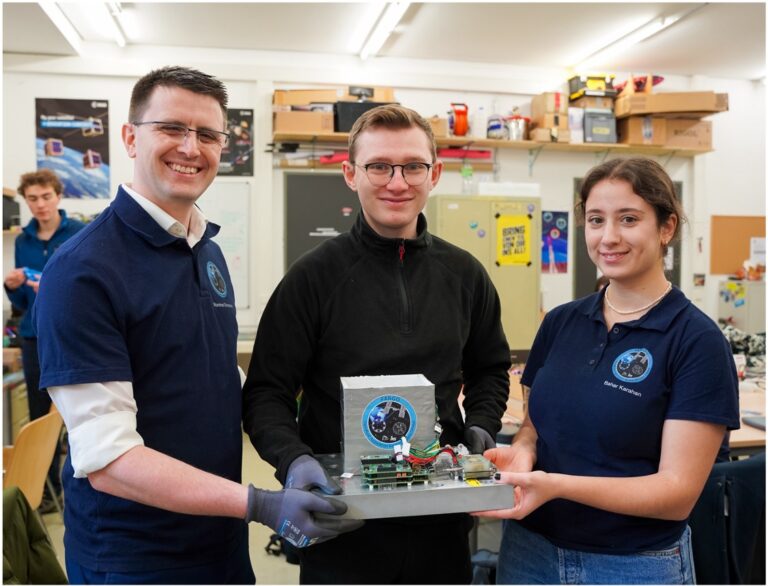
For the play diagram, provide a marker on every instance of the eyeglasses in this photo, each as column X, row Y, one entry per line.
column 180, row 132
column 380, row 174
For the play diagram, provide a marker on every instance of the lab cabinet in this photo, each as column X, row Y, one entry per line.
column 504, row 234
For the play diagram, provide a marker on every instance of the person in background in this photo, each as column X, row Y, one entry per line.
column 631, row 392
column 387, row 297
column 138, row 341
column 48, row 229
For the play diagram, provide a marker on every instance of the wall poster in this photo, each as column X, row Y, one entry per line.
column 237, row 156
column 513, row 240
column 554, row 242
column 72, row 139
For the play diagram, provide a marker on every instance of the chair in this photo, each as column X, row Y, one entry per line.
column 728, row 524
column 26, row 463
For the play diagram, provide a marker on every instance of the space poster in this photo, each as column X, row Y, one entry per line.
column 237, row 156
column 72, row 139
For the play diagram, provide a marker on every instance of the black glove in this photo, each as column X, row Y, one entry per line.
column 306, row 473
column 478, row 440
column 289, row 513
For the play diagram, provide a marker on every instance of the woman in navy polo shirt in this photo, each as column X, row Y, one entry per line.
column 632, row 390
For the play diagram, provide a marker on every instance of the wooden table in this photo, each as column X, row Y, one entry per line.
column 746, row 440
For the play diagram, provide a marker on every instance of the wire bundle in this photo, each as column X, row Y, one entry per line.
column 429, row 454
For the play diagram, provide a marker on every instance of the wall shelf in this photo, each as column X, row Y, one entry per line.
column 342, row 137
column 600, row 150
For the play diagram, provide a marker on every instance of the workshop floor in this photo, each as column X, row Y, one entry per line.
column 269, row 569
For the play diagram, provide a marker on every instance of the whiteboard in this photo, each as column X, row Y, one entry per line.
column 228, row 204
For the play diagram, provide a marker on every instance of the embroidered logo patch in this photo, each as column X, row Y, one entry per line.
column 633, row 365
column 217, row 279
column 388, row 418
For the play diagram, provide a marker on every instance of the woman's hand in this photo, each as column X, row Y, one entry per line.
column 515, row 458
column 532, row 489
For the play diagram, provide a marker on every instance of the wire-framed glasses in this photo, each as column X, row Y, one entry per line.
column 180, row 132
column 380, row 174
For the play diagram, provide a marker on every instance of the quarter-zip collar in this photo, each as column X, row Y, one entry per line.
column 33, row 226
column 362, row 232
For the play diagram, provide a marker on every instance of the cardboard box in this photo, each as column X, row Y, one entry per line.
column 642, row 130
column 439, row 126
column 304, row 97
column 321, row 122
column 689, row 134
column 548, row 103
column 605, row 102
column 552, row 120
column 695, row 104
column 550, row 135
column 599, row 126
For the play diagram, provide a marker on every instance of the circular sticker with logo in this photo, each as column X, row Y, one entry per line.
column 633, row 365
column 217, row 279
column 388, row 418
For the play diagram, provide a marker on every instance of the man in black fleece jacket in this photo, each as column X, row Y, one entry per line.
column 387, row 297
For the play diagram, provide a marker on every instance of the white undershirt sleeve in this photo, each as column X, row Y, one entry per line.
column 100, row 420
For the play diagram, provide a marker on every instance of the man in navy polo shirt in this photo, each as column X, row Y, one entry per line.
column 137, row 337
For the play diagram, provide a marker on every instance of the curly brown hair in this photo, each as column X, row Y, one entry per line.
column 41, row 177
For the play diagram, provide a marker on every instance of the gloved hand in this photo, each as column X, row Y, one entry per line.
column 478, row 440
column 306, row 473
column 289, row 513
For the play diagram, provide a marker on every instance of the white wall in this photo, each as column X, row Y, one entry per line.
column 730, row 180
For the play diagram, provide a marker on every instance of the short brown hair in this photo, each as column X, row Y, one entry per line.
column 648, row 180
column 41, row 177
column 174, row 76
column 393, row 117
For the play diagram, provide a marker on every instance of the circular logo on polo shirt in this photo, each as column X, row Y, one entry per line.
column 217, row 279
column 388, row 418
column 633, row 365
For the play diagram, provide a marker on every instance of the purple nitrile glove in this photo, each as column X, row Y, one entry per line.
column 478, row 440
column 289, row 513
column 306, row 473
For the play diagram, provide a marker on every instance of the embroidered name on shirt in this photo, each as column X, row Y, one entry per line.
column 222, row 304
column 622, row 388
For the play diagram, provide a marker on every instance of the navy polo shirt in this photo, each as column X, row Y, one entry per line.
column 126, row 301
column 599, row 399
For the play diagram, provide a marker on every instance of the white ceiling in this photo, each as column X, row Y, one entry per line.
column 718, row 40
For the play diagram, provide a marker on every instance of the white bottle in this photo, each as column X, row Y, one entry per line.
column 480, row 123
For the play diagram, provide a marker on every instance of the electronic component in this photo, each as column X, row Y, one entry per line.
column 382, row 471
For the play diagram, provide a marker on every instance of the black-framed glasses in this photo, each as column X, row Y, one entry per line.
column 180, row 132
column 380, row 174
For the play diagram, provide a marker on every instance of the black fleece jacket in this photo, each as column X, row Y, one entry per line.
column 361, row 304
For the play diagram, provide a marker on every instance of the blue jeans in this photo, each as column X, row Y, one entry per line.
column 529, row 558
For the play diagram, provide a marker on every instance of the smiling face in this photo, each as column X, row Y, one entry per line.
column 623, row 235
column 169, row 171
column 393, row 209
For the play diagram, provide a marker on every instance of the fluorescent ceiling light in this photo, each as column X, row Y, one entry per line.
column 365, row 26
column 647, row 30
column 384, row 28
column 112, row 11
column 62, row 23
